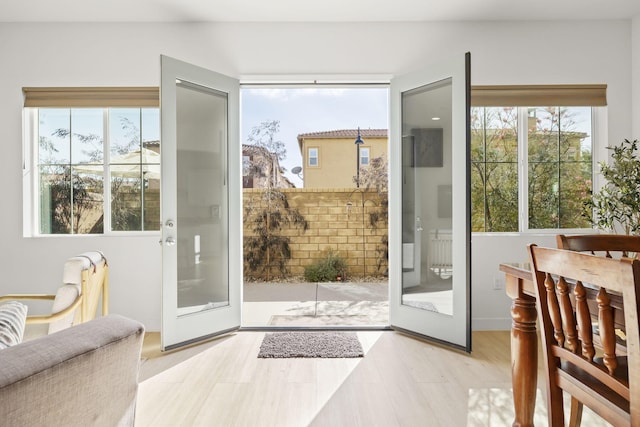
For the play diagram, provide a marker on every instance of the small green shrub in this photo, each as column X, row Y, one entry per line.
column 326, row 269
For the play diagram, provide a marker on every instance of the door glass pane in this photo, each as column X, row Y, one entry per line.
column 202, row 199
column 427, row 266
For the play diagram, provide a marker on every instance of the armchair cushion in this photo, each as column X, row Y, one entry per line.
column 13, row 315
column 73, row 266
column 65, row 296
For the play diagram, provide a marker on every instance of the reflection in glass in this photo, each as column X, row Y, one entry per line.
column 54, row 145
column 70, row 202
column 88, row 203
column 427, row 265
column 124, row 130
column 202, row 199
column 151, row 200
column 71, row 156
column 126, row 202
column 87, row 136
column 55, row 200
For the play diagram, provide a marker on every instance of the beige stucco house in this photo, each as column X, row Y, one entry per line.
column 329, row 157
column 259, row 165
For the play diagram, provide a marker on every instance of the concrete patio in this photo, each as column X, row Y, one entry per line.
column 315, row 304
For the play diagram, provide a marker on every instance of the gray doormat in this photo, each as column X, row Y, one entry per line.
column 310, row 344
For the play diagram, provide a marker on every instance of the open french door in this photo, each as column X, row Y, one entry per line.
column 429, row 209
column 200, row 203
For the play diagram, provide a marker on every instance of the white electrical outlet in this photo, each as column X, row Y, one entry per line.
column 498, row 283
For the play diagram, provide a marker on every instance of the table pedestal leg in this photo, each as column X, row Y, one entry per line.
column 524, row 359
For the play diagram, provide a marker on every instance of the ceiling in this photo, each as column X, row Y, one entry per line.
column 316, row 11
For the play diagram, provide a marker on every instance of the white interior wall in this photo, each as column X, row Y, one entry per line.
column 128, row 54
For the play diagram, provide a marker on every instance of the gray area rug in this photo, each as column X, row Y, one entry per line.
column 310, row 344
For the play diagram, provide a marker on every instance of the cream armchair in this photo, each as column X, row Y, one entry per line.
column 85, row 283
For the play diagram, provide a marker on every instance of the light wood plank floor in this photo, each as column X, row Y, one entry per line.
column 401, row 381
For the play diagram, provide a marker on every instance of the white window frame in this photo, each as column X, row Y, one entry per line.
column 598, row 152
column 309, row 157
column 30, row 181
column 362, row 156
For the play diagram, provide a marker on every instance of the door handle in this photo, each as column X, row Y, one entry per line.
column 170, row 241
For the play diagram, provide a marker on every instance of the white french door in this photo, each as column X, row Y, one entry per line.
column 200, row 203
column 429, row 203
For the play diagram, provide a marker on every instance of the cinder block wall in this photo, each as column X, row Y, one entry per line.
column 338, row 219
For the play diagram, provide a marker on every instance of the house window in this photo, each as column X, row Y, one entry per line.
column 313, row 157
column 364, row 156
column 91, row 170
column 532, row 167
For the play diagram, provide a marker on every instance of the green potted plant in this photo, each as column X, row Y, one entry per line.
column 617, row 204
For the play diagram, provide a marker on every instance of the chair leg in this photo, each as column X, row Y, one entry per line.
column 575, row 418
column 555, row 405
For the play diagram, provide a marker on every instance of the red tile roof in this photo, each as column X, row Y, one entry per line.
column 345, row 133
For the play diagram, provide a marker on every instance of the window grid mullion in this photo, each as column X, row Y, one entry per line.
column 523, row 169
column 106, row 187
column 484, row 164
column 34, row 162
column 71, row 183
column 32, row 181
column 558, row 223
column 142, row 190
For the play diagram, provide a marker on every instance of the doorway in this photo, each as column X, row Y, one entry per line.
column 209, row 118
column 316, row 158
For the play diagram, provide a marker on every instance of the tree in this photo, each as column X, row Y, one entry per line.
column 72, row 200
column 494, row 176
column 559, row 169
column 267, row 248
column 264, row 136
column 67, row 199
column 59, row 187
column 374, row 179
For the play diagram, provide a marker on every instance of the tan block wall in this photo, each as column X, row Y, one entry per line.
column 335, row 218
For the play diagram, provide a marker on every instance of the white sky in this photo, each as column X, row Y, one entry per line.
column 303, row 110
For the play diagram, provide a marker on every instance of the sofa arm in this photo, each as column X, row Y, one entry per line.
column 86, row 375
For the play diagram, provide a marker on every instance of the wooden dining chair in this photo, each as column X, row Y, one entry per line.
column 608, row 245
column 610, row 384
